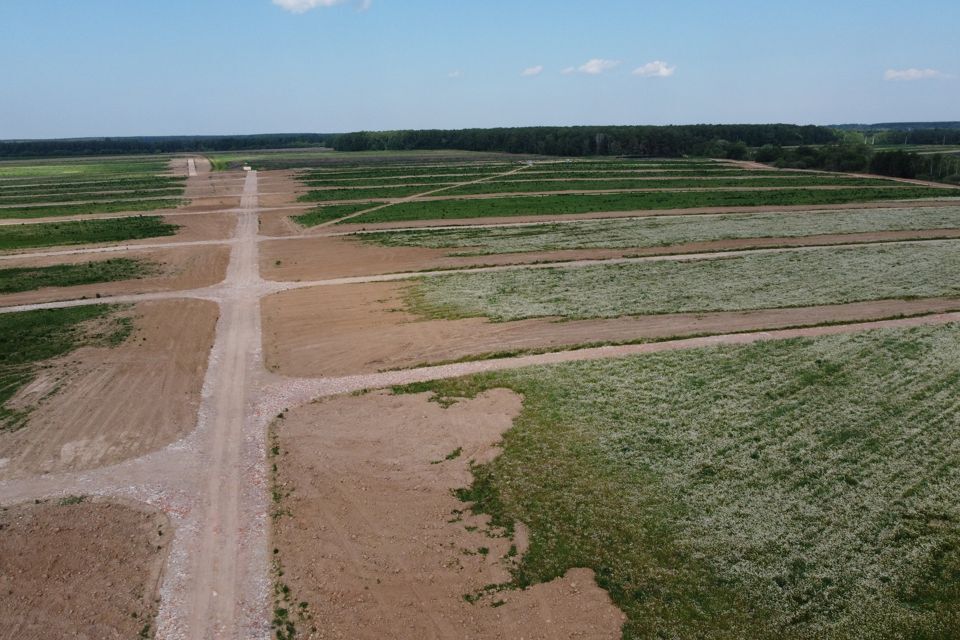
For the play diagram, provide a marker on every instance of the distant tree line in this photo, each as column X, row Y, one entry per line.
column 646, row 141
column 859, row 157
column 157, row 144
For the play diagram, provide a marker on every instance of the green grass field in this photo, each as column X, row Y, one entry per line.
column 31, row 337
column 328, row 213
column 89, row 208
column 759, row 281
column 495, row 187
column 26, row 236
column 789, row 489
column 89, row 197
column 571, row 204
column 16, row 279
column 662, row 231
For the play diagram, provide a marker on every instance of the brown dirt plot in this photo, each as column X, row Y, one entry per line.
column 180, row 268
column 87, row 570
column 318, row 258
column 97, row 406
column 350, row 329
column 375, row 543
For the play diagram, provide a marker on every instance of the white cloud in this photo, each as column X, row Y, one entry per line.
column 913, row 74
column 655, row 69
column 596, row 66
column 569, row 70
column 532, row 71
column 302, row 6
column 455, row 74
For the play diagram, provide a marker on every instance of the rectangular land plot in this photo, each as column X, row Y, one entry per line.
column 779, row 279
column 794, row 489
column 666, row 231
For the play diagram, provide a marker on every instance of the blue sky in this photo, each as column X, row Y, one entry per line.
column 136, row 67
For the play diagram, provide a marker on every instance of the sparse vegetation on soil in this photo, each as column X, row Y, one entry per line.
column 790, row 489
column 756, row 281
column 30, row 337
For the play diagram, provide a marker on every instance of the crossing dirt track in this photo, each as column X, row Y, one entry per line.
column 259, row 364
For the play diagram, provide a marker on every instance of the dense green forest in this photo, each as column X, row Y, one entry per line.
column 858, row 157
column 701, row 140
column 660, row 141
column 157, row 144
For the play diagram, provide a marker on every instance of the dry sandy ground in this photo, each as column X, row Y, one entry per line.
column 87, row 570
column 278, row 188
column 98, row 405
column 373, row 541
column 350, row 329
column 317, row 258
column 180, row 268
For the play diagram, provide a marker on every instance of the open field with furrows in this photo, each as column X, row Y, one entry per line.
column 788, row 278
column 322, row 158
column 790, row 489
column 77, row 187
column 666, row 231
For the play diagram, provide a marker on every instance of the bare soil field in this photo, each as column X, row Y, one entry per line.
column 98, row 406
column 88, row 570
column 179, row 268
column 318, row 258
column 350, row 329
column 374, row 545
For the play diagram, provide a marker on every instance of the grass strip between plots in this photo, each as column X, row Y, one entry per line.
column 31, row 337
column 24, row 236
column 823, row 276
column 572, row 204
column 668, row 230
column 16, row 279
column 787, row 489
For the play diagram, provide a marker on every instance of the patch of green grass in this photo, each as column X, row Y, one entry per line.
column 88, row 208
column 30, row 337
column 379, row 193
column 787, row 489
column 755, row 281
column 71, row 500
column 668, row 230
column 132, row 183
column 328, row 213
column 23, row 236
column 570, row 204
column 68, row 275
column 88, row 197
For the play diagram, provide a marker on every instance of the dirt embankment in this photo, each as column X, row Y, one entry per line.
column 177, row 269
column 98, row 405
column 377, row 546
column 320, row 258
column 350, row 329
column 88, row 570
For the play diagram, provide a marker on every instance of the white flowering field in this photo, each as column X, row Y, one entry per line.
column 827, row 275
column 792, row 489
column 658, row 231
